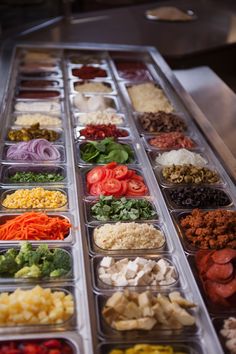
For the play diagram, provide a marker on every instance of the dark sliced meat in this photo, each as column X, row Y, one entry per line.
column 210, row 289
column 224, row 256
column 204, row 260
column 220, row 272
column 226, row 290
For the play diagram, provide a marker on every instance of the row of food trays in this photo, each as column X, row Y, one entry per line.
column 140, row 290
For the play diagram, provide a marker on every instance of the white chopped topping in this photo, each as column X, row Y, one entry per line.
column 49, row 107
column 128, row 236
column 100, row 117
column 148, row 97
column 34, row 118
column 180, row 157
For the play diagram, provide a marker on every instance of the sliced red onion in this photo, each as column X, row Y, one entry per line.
column 34, row 150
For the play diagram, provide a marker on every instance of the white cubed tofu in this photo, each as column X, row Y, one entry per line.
column 148, row 267
column 121, row 264
column 140, row 261
column 131, row 270
column 162, row 264
column 101, row 270
column 143, row 278
column 121, row 281
column 171, row 273
column 107, row 262
column 106, row 278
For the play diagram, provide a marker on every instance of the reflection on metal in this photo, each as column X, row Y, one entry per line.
column 75, row 20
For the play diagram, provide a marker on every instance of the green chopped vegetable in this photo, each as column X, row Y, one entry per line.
column 122, row 209
column 29, row 177
column 35, row 263
column 105, row 151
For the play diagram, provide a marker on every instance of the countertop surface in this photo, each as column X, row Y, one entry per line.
column 215, row 26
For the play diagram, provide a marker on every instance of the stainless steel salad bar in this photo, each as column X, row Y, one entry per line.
column 126, row 213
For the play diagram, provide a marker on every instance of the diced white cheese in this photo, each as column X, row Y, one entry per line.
column 107, row 262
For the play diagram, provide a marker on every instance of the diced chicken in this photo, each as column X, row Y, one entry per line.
column 118, row 301
column 144, row 299
column 131, row 270
column 132, row 311
column 175, row 297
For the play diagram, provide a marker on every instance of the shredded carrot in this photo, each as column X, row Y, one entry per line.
column 35, row 226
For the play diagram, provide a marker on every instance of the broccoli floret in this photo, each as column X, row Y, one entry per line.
column 46, row 268
column 61, row 260
column 8, row 265
column 44, row 252
column 12, row 252
column 29, row 272
column 25, row 254
column 58, row 273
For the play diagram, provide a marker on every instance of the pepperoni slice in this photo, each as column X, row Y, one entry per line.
column 224, row 256
column 210, row 289
column 220, row 272
column 204, row 260
column 226, row 290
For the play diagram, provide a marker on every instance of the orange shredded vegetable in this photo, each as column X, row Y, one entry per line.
column 35, row 226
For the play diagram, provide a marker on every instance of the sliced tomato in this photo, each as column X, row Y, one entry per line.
column 130, row 173
column 120, row 172
column 96, row 175
column 96, row 189
column 138, row 177
column 136, row 187
column 124, row 187
column 111, row 186
column 108, row 174
column 111, row 165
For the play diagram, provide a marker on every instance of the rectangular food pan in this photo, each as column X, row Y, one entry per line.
column 103, row 273
column 190, row 248
column 39, row 83
column 216, row 177
column 183, row 346
column 58, row 150
column 160, row 332
column 107, row 87
column 216, row 305
column 8, row 173
column 33, row 276
column 72, row 321
column 81, row 146
column 219, row 196
column 69, row 237
column 61, row 198
column 83, row 72
column 82, row 119
column 112, row 103
column 68, row 340
column 160, row 245
column 79, row 135
column 91, row 219
column 57, row 135
column 85, row 170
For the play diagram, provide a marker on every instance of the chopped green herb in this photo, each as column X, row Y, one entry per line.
column 105, row 151
column 110, row 208
column 30, row 177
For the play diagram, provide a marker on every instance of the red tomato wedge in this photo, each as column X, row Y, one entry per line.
column 136, row 187
column 111, row 186
column 120, row 172
column 96, row 189
column 95, row 175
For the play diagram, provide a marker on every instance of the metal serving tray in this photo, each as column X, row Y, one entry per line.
column 162, row 76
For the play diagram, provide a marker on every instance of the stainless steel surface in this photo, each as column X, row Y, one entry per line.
column 205, row 334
